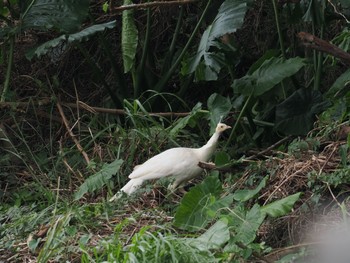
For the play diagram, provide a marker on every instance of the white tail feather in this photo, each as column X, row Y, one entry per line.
column 132, row 186
column 129, row 188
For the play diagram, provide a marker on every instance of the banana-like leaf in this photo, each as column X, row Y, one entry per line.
column 269, row 74
column 219, row 106
column 99, row 179
column 280, row 207
column 207, row 64
column 63, row 15
column 83, row 35
column 129, row 38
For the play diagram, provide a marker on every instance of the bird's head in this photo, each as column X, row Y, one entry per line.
column 222, row 127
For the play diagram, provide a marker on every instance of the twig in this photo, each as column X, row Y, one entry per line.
column 152, row 4
column 269, row 148
column 81, row 150
column 336, row 11
column 309, row 40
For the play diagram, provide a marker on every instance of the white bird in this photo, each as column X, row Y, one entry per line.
column 180, row 163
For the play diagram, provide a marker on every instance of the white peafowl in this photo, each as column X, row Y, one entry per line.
column 180, row 163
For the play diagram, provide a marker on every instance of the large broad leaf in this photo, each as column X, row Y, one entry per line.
column 244, row 195
column 63, row 15
column 199, row 206
column 219, row 107
column 246, row 232
column 99, row 179
column 296, row 115
column 83, row 35
column 270, row 73
column 129, row 38
column 281, row 207
column 208, row 64
column 216, row 236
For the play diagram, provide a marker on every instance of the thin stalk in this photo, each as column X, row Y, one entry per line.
column 238, row 120
column 280, row 39
column 314, row 53
column 141, row 69
column 8, row 70
column 317, row 83
column 319, row 58
column 169, row 58
column 160, row 86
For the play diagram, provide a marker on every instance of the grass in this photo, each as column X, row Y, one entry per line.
column 40, row 220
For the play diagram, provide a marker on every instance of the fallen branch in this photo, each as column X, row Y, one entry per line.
column 152, row 4
column 69, row 130
column 84, row 106
column 311, row 41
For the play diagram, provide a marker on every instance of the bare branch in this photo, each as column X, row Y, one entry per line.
column 311, row 41
column 69, row 130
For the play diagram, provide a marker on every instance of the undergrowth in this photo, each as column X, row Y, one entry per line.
column 278, row 176
column 40, row 220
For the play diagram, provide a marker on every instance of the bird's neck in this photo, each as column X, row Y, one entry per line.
column 208, row 149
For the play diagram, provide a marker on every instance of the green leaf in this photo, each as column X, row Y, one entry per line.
column 105, row 7
column 186, row 120
column 271, row 53
column 219, row 107
column 33, row 244
column 83, row 35
column 200, row 205
column 270, row 73
column 216, row 236
column 64, row 15
column 222, row 158
column 296, row 115
column 244, row 195
column 208, row 64
column 343, row 153
column 99, row 179
column 281, row 207
column 246, row 232
column 129, row 38
column 340, row 85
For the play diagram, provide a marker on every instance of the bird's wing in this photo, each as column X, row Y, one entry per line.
column 168, row 163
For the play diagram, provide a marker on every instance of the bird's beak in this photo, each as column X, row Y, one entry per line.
column 229, row 127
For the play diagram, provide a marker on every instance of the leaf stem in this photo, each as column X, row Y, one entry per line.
column 160, row 86
column 280, row 39
column 141, row 69
column 8, row 71
column 238, row 119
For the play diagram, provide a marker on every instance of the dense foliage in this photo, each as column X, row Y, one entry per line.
column 91, row 88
